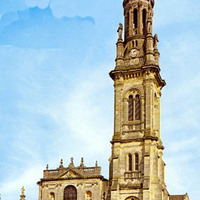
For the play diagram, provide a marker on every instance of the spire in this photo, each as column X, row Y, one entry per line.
column 22, row 196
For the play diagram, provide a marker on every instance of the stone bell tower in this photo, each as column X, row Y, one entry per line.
column 136, row 162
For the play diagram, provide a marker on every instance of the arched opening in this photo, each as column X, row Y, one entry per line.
column 137, row 107
column 136, row 162
column 132, row 198
column 104, row 196
column 127, row 23
column 130, row 108
column 88, row 195
column 135, row 18
column 70, row 193
column 130, row 162
column 52, row 196
column 144, row 15
column 136, row 43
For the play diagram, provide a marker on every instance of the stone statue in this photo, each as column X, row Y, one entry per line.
column 155, row 41
column 52, row 196
column 119, row 30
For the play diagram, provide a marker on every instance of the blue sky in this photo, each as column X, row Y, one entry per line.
column 57, row 99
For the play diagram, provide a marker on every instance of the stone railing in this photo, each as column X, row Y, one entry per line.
column 131, row 175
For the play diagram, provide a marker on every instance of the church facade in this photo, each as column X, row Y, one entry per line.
column 136, row 166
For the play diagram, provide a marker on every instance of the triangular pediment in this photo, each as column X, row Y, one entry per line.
column 70, row 174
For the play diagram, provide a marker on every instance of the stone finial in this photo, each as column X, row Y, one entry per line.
column 82, row 163
column 22, row 196
column 61, row 163
column 47, row 167
column 119, row 30
column 72, row 162
column 22, row 190
column 96, row 164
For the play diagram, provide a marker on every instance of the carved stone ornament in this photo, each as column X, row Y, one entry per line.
column 133, row 53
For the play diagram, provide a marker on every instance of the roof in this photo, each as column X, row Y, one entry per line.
column 178, row 197
column 72, row 172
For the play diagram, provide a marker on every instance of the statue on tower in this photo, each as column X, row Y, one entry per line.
column 155, row 41
column 149, row 25
column 119, row 30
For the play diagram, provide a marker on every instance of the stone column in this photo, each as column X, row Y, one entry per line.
column 131, row 22
column 140, row 24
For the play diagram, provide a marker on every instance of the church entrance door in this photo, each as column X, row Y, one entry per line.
column 70, row 193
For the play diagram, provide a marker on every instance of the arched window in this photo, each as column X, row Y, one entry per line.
column 137, row 107
column 135, row 18
column 132, row 198
column 70, row 193
column 136, row 43
column 144, row 15
column 130, row 162
column 136, row 162
column 88, row 195
column 130, row 108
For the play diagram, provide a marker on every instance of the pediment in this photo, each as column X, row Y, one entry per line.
column 70, row 174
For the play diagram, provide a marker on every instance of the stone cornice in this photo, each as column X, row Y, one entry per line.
column 70, row 178
column 135, row 72
column 152, row 138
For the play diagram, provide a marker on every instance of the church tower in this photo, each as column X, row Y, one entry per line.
column 136, row 162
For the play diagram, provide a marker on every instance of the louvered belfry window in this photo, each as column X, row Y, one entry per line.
column 70, row 193
column 136, row 161
column 130, row 162
column 137, row 107
column 134, row 108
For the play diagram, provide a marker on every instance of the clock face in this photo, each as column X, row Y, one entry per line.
column 133, row 53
